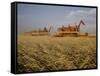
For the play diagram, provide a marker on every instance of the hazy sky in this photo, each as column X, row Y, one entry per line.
column 32, row 17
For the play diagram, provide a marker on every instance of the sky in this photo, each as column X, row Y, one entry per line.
column 32, row 16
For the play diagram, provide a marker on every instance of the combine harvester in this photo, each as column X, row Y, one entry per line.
column 62, row 31
column 39, row 32
column 70, row 30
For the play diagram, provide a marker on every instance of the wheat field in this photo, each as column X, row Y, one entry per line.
column 46, row 53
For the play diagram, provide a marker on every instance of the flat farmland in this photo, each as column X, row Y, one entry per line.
column 46, row 53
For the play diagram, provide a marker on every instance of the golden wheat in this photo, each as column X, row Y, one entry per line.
column 45, row 53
